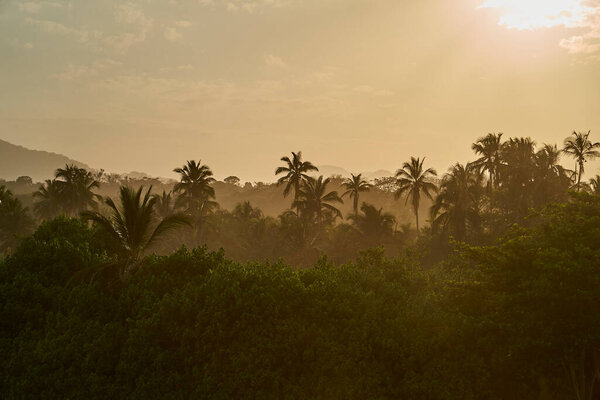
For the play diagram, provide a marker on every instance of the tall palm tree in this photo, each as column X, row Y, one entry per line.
column 517, row 174
column 551, row 180
column 373, row 223
column 488, row 148
column 314, row 199
column 194, row 185
column 15, row 221
column 413, row 180
column 49, row 200
column 295, row 172
column 580, row 147
column 76, row 187
column 133, row 226
column 595, row 184
column 354, row 186
column 456, row 207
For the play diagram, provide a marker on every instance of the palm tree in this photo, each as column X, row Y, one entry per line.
column 517, row 174
column 15, row 221
column 194, row 185
column 133, row 226
column 413, row 180
column 488, row 147
column 373, row 223
column 551, row 180
column 354, row 186
column 164, row 204
column 579, row 146
column 314, row 199
column 49, row 201
column 456, row 207
column 595, row 184
column 295, row 172
column 245, row 212
column 76, row 187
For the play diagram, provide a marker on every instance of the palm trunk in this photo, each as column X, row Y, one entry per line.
column 579, row 176
column 417, row 218
column 356, row 204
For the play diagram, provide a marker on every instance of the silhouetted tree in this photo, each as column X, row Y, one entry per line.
column 595, row 184
column 373, row 223
column 48, row 200
column 245, row 212
column 133, row 225
column 354, row 186
column 195, row 195
column 15, row 221
column 295, row 172
column 413, row 180
column 551, row 180
column 580, row 147
column 24, row 180
column 517, row 174
column 194, row 185
column 488, row 148
column 314, row 199
column 76, row 187
column 165, row 204
column 232, row 180
column 457, row 204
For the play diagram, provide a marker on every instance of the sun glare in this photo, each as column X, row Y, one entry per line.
column 535, row 14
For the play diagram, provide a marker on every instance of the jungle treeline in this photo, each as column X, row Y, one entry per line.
column 490, row 293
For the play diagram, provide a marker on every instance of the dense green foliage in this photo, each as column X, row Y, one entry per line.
column 497, row 298
column 506, row 321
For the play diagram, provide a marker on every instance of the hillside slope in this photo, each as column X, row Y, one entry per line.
column 18, row 161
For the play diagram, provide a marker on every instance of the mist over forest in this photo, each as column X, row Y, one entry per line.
column 416, row 285
column 300, row 199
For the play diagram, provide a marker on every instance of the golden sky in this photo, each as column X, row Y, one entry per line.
column 363, row 84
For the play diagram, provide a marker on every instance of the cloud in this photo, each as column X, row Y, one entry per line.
column 183, row 24
column 583, row 15
column 81, row 35
column 245, row 5
column 18, row 43
column 178, row 68
column 172, row 34
column 75, row 72
column 129, row 14
column 30, row 7
column 33, row 7
column 588, row 43
column 275, row 61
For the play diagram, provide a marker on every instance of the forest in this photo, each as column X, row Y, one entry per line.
column 478, row 283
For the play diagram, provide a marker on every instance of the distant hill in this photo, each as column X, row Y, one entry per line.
column 330, row 170
column 18, row 161
column 380, row 173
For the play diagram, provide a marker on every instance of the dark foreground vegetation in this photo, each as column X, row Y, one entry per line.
column 496, row 299
column 507, row 321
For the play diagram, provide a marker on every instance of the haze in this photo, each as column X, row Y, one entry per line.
column 145, row 85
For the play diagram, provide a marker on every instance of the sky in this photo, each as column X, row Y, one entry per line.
column 362, row 84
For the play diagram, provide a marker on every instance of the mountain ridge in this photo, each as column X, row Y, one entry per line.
column 16, row 160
